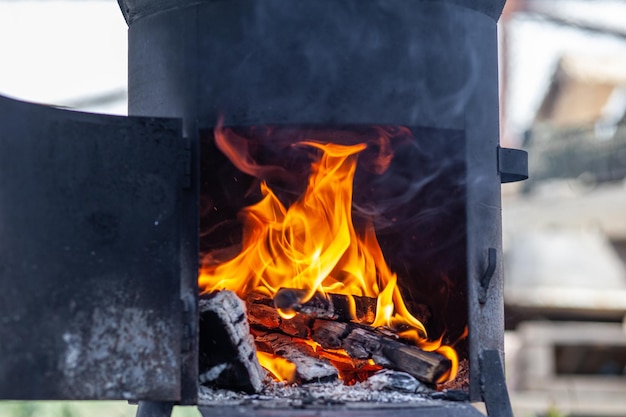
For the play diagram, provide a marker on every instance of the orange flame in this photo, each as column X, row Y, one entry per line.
column 313, row 244
column 350, row 370
column 280, row 368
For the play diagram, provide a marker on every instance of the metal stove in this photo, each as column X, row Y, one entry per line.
column 99, row 215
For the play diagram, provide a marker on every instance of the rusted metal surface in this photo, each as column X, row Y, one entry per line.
column 90, row 255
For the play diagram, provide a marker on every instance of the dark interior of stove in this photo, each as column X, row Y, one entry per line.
column 417, row 205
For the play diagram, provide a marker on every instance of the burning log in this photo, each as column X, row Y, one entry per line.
column 263, row 317
column 309, row 366
column 350, row 369
column 262, row 314
column 299, row 326
column 227, row 352
column 364, row 343
column 359, row 341
column 327, row 306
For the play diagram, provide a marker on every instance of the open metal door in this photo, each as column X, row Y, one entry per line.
column 90, row 255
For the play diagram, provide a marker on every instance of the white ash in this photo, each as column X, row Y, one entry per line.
column 279, row 395
column 213, row 373
column 395, row 381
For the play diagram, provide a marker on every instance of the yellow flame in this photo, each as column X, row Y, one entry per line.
column 449, row 353
column 313, row 245
column 287, row 315
column 280, row 368
column 313, row 344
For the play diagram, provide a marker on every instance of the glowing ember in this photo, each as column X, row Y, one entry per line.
column 313, row 244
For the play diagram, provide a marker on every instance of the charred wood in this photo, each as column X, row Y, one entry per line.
column 351, row 370
column 363, row 343
column 227, row 352
column 262, row 314
column 327, row 306
column 309, row 366
column 298, row 326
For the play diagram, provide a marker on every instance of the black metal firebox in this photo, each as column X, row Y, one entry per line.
column 99, row 215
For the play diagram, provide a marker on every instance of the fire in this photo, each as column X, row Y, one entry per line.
column 350, row 370
column 280, row 368
column 313, row 244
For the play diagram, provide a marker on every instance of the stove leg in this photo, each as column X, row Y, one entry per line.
column 493, row 384
column 154, row 409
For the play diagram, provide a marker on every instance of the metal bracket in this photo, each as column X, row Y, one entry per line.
column 512, row 164
column 485, row 280
column 493, row 384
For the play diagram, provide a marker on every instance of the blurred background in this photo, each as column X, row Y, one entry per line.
column 563, row 99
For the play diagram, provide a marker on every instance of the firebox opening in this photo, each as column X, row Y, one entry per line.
column 409, row 184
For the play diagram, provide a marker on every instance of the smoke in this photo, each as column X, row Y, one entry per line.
column 426, row 176
column 407, row 182
column 350, row 62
